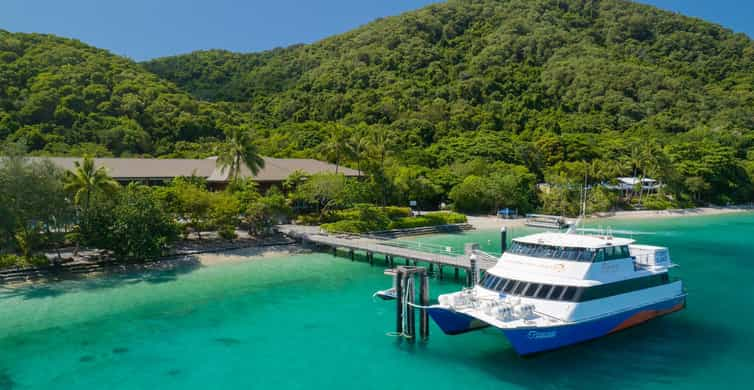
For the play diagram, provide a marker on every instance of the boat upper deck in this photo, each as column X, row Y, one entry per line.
column 569, row 240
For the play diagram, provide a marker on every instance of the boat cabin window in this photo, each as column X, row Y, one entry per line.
column 489, row 282
column 553, row 252
column 531, row 289
column 495, row 285
column 520, row 287
column 568, row 253
column 544, row 291
column 570, row 293
column 556, row 291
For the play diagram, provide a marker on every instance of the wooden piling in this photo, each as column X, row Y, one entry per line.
column 503, row 239
column 351, row 253
column 424, row 302
column 456, row 273
column 410, row 310
column 474, row 270
column 399, row 301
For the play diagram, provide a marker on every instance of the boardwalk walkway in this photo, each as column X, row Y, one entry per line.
column 390, row 248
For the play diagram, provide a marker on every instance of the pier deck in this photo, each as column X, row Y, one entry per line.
column 371, row 245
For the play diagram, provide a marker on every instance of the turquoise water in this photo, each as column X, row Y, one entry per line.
column 308, row 321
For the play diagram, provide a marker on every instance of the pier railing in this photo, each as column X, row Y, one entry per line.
column 411, row 251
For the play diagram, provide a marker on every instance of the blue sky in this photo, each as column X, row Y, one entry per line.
column 143, row 29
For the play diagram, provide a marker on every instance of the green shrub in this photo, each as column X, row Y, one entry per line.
column 12, row 261
column 308, row 219
column 395, row 212
column 429, row 219
column 343, row 215
column 368, row 218
column 7, row 261
column 656, row 202
column 447, row 218
column 227, row 232
column 413, row 222
column 346, row 227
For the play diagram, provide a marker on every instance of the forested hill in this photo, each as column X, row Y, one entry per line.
column 60, row 96
column 426, row 100
column 500, row 65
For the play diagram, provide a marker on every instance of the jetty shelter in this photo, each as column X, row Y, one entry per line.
column 153, row 171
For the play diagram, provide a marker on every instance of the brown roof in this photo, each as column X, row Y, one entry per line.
column 275, row 169
column 143, row 168
column 278, row 169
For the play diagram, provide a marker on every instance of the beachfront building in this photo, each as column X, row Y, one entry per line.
column 631, row 184
column 152, row 171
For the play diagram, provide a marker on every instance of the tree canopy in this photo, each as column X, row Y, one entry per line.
column 532, row 83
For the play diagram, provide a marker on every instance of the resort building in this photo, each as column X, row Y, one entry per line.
column 152, row 171
column 630, row 184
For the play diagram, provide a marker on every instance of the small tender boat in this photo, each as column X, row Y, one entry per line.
column 550, row 290
column 546, row 221
column 386, row 295
column 390, row 293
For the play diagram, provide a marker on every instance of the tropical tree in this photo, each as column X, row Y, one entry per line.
column 238, row 149
column 379, row 144
column 338, row 146
column 327, row 191
column 359, row 146
column 135, row 225
column 636, row 159
column 294, row 180
column 34, row 203
column 86, row 179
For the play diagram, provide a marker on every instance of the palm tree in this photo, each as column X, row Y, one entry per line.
column 338, row 146
column 636, row 159
column 87, row 179
column 379, row 146
column 237, row 150
column 359, row 144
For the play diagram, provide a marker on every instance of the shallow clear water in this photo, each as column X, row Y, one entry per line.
column 309, row 321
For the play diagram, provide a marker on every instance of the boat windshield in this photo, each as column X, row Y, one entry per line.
column 553, row 252
column 567, row 253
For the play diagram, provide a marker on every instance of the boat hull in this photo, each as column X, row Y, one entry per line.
column 452, row 322
column 528, row 341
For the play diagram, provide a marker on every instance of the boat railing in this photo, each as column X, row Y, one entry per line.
column 488, row 256
column 648, row 262
column 404, row 244
column 423, row 247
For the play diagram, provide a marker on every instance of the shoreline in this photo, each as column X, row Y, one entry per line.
column 493, row 222
column 180, row 263
column 674, row 213
column 195, row 259
column 210, row 259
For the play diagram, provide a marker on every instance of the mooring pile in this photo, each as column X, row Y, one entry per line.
column 405, row 292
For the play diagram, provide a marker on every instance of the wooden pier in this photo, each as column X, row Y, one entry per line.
column 387, row 248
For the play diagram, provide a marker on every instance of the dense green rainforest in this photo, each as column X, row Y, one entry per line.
column 470, row 102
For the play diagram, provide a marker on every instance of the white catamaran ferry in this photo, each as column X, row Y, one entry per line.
column 550, row 290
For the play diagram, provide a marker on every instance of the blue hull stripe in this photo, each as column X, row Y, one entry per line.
column 532, row 340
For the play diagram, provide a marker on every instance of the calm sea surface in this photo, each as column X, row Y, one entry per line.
column 309, row 321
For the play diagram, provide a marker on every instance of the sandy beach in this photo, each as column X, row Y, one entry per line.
column 493, row 222
column 248, row 254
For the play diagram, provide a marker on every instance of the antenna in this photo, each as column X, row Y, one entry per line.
column 583, row 198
